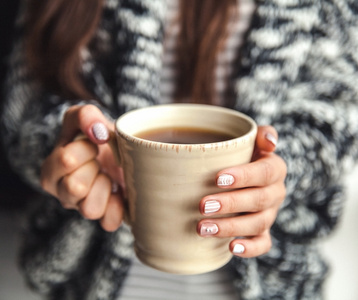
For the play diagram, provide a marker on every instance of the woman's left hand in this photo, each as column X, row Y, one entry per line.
column 257, row 191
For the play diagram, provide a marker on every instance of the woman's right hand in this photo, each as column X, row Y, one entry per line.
column 81, row 173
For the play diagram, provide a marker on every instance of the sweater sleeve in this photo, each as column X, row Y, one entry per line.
column 60, row 249
column 32, row 118
column 56, row 241
column 121, row 69
column 304, row 83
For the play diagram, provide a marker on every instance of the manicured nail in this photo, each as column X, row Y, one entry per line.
column 238, row 249
column 225, row 180
column 271, row 139
column 208, row 229
column 211, row 206
column 100, row 131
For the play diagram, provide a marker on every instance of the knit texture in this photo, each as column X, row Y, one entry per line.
column 297, row 71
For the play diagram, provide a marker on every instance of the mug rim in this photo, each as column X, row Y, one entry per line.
column 251, row 133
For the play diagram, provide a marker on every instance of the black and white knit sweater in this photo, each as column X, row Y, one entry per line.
column 297, row 72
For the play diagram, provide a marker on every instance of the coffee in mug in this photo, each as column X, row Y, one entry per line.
column 184, row 135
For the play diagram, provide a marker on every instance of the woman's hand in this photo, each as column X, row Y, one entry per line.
column 258, row 192
column 82, row 173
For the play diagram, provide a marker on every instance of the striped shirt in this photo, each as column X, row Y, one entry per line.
column 144, row 282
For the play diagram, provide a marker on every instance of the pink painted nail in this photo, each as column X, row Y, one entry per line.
column 211, row 206
column 100, row 131
column 225, row 180
column 208, row 229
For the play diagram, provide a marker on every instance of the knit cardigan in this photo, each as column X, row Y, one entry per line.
column 297, row 71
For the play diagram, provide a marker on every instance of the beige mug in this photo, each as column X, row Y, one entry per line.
column 166, row 181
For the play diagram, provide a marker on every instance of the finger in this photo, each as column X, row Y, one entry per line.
column 113, row 216
column 251, row 224
column 244, row 200
column 266, row 139
column 74, row 187
column 252, row 247
column 94, row 205
column 87, row 119
column 264, row 171
column 65, row 160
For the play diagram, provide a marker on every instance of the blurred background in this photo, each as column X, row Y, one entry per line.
column 341, row 249
column 13, row 192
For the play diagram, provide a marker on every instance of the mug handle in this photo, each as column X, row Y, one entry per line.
column 112, row 142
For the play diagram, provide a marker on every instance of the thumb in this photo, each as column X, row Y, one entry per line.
column 266, row 139
column 88, row 120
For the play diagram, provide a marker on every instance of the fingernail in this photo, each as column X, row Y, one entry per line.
column 225, row 180
column 208, row 229
column 100, row 131
column 211, row 206
column 238, row 249
column 271, row 139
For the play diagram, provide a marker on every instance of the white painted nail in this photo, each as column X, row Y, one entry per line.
column 211, row 206
column 225, row 180
column 209, row 229
column 271, row 139
column 238, row 249
column 100, row 131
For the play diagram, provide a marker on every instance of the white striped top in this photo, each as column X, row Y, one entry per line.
column 144, row 282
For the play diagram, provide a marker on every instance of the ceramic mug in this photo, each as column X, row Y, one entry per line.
column 166, row 181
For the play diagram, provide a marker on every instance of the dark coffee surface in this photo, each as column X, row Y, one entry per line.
column 184, row 135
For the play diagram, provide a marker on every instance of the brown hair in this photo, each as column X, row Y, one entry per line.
column 57, row 30
column 203, row 34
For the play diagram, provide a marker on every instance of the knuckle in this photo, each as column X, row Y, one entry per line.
column 74, row 188
column 263, row 224
column 284, row 166
column 67, row 160
column 90, row 212
column 283, row 193
column 48, row 185
column 267, row 172
column 268, row 244
column 260, row 199
column 230, row 204
column 87, row 110
column 230, row 229
column 245, row 177
column 281, row 164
